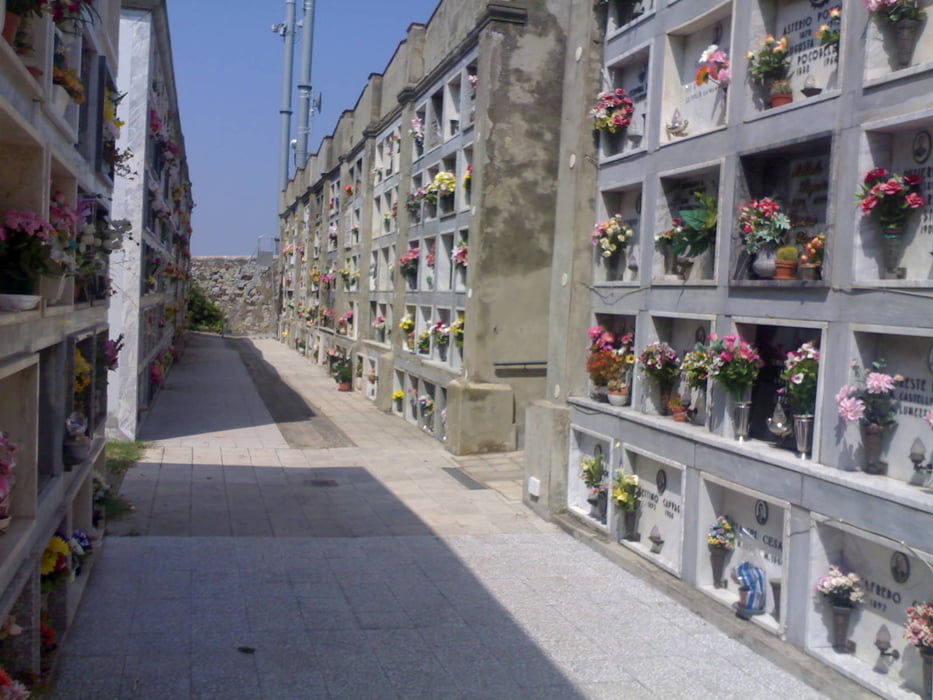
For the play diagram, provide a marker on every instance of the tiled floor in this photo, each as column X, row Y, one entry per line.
column 256, row 570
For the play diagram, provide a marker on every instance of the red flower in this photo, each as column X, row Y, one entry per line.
column 914, row 200
column 868, row 203
column 876, row 174
column 913, row 180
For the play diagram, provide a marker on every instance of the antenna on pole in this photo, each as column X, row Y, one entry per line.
column 287, row 31
column 304, row 82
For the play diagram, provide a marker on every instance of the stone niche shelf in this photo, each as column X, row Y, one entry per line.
column 811, row 66
column 624, row 14
column 677, row 195
column 894, row 577
column 761, row 539
column 627, row 202
column 587, row 444
column 689, row 109
column 629, row 72
column 881, row 54
column 903, row 149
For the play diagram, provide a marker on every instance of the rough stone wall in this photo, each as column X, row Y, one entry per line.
column 239, row 287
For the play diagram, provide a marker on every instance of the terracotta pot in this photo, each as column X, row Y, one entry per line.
column 810, row 271
column 680, row 415
column 343, row 386
column 781, row 99
column 785, row 269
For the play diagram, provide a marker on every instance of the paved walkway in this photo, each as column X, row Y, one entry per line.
column 255, row 569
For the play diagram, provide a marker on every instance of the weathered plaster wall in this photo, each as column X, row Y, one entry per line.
column 239, row 287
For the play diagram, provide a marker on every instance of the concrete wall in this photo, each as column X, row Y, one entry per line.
column 239, row 287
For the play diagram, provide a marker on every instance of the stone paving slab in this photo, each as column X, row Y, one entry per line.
column 257, row 570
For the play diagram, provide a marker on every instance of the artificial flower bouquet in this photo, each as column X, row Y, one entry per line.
column 874, row 402
column 695, row 365
column 660, row 362
column 721, row 534
column 828, row 34
column 714, row 67
column 625, row 491
column 593, row 471
column 611, row 236
column 762, row 223
column 613, row 111
column 841, row 588
column 25, row 250
column 800, row 375
column 734, row 364
column 771, row 61
column 456, row 330
column 889, row 198
column 896, row 10
column 919, row 626
column 407, row 323
column 408, row 261
column 441, row 333
column 694, row 229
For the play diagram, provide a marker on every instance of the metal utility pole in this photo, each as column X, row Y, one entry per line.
column 304, row 83
column 287, row 31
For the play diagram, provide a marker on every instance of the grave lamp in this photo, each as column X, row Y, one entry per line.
column 883, row 642
column 917, row 455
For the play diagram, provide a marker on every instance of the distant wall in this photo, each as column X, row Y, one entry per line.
column 239, row 287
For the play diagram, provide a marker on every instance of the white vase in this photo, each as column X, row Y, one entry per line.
column 765, row 263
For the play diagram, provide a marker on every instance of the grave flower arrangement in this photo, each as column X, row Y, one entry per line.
column 895, row 10
column 424, row 341
column 714, row 67
column 762, row 224
column 721, row 534
column 426, row 404
column 417, row 130
column 828, row 34
column 407, row 323
column 11, row 689
column 444, row 183
column 593, row 472
column 441, row 333
column 25, row 250
column 625, row 491
column 608, row 355
column 734, row 364
column 398, row 395
column 379, row 323
column 694, row 229
column 919, row 627
column 873, row 403
column 771, row 61
column 408, row 261
column 55, row 566
column 660, row 362
column 889, row 198
column 459, row 254
column 840, row 588
column 613, row 111
column 695, row 365
column 456, row 331
column 610, row 236
column 801, row 371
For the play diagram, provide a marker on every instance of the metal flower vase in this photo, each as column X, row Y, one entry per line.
column 841, row 615
column 905, row 38
column 803, row 434
column 871, row 443
column 717, row 560
column 630, row 521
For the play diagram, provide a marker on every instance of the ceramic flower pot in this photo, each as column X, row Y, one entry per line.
column 764, row 263
column 619, row 398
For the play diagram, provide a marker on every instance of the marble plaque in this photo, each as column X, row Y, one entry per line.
column 799, row 21
column 660, row 488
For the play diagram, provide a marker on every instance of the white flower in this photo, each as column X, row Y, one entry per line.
column 710, row 50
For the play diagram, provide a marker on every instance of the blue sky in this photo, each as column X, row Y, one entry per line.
column 228, row 71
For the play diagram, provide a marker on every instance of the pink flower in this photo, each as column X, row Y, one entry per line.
column 914, row 200
column 928, row 417
column 878, row 383
column 797, row 378
column 851, row 409
column 845, row 392
column 891, row 187
column 868, row 203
